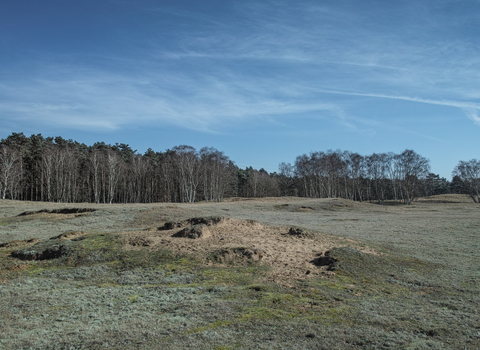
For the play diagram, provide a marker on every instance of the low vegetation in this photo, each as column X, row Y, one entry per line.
column 309, row 284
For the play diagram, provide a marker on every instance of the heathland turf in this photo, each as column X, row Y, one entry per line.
column 90, row 292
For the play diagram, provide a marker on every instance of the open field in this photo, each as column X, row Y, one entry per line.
column 275, row 273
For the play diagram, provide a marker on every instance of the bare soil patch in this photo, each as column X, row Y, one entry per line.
column 59, row 211
column 289, row 251
column 69, row 235
column 18, row 243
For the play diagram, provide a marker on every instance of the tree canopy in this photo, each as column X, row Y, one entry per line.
column 54, row 169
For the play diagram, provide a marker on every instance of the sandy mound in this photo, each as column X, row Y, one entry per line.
column 194, row 231
column 292, row 252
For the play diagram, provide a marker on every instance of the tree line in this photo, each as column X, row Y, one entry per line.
column 51, row 169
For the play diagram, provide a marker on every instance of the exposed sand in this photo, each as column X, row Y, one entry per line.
column 290, row 256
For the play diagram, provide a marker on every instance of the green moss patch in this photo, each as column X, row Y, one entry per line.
column 213, row 325
column 264, row 313
column 239, row 275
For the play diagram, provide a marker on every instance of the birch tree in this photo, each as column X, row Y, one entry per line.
column 469, row 174
column 188, row 166
column 9, row 169
column 113, row 167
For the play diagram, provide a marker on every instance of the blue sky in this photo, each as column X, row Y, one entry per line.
column 263, row 81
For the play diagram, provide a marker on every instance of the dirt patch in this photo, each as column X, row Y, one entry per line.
column 140, row 242
column 18, row 268
column 194, row 232
column 236, row 256
column 300, row 232
column 208, row 221
column 195, row 227
column 17, row 243
column 289, row 251
column 44, row 250
column 59, row 211
column 69, row 235
column 305, row 209
column 324, row 260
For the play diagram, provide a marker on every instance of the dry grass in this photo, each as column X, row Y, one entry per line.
column 359, row 276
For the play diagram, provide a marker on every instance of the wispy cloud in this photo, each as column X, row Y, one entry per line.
column 393, row 48
column 263, row 60
column 471, row 109
column 100, row 101
column 473, row 115
column 460, row 104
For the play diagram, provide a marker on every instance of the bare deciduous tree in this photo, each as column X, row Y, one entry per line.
column 217, row 174
column 55, row 169
column 286, row 178
column 469, row 173
column 413, row 168
column 188, row 165
column 95, row 160
column 113, row 167
column 9, row 169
